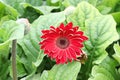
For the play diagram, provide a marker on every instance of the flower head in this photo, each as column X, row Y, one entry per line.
column 63, row 43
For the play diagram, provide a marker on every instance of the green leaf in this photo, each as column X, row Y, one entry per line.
column 35, row 2
column 83, row 12
column 23, row 65
column 4, row 48
column 119, row 70
column 93, row 2
column 11, row 31
column 100, row 30
column 53, row 2
column 105, row 71
column 67, row 3
column 116, row 16
column 7, row 11
column 4, row 66
column 11, row 28
column 5, row 18
column 30, row 12
column 20, row 69
column 117, row 8
column 62, row 72
column 32, row 77
column 30, row 43
column 46, row 9
column 17, row 4
column 26, row 5
column 117, row 52
column 14, row 3
column 104, row 9
column 103, row 4
column 40, row 9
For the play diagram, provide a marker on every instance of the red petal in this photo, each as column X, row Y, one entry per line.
column 60, row 55
column 75, row 28
column 79, row 52
column 79, row 32
column 52, row 27
column 69, row 26
column 45, row 31
column 76, row 40
column 62, row 26
column 56, row 53
column 84, row 38
column 72, row 52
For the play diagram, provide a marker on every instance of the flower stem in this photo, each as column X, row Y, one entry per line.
column 14, row 69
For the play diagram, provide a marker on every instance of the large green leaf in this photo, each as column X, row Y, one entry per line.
column 67, row 3
column 26, row 6
column 105, row 71
column 30, row 43
column 53, row 2
column 4, row 50
column 4, row 67
column 35, row 2
column 101, row 32
column 33, row 12
column 7, row 10
column 100, row 29
column 22, row 64
column 9, row 31
column 30, row 12
column 117, row 7
column 40, row 9
column 21, row 71
column 18, row 4
column 106, row 6
column 46, row 9
column 62, row 72
column 83, row 12
column 117, row 54
column 7, row 13
column 116, row 16
column 15, row 3
column 32, row 77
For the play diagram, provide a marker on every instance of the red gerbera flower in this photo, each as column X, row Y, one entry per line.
column 63, row 43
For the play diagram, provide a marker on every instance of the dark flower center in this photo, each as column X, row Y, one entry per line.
column 62, row 42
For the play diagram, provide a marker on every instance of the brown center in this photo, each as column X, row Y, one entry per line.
column 62, row 42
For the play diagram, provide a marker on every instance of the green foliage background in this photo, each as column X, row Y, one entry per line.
column 99, row 19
